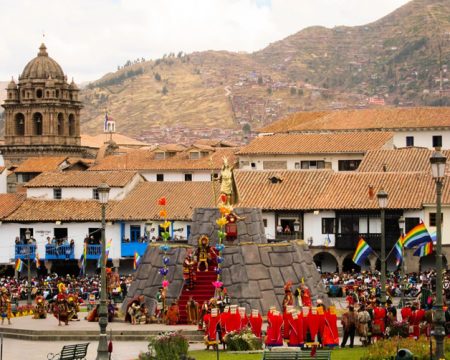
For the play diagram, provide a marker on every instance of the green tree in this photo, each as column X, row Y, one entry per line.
column 293, row 91
column 157, row 77
column 246, row 128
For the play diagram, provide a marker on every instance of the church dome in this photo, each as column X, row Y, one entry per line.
column 42, row 67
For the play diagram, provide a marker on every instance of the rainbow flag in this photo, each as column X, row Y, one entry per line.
column 108, row 247
column 137, row 260
column 19, row 265
column 416, row 236
column 424, row 249
column 398, row 251
column 83, row 260
column 37, row 260
column 362, row 252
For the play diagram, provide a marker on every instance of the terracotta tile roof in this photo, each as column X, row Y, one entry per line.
column 297, row 189
column 82, row 179
column 99, row 140
column 2, row 168
column 215, row 143
column 345, row 142
column 9, row 203
column 40, row 164
column 145, row 160
column 182, row 198
column 170, row 147
column 60, row 210
column 287, row 123
column 367, row 119
column 409, row 159
column 327, row 190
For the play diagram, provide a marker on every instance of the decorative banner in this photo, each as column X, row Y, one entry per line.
column 221, row 222
column 418, row 235
column 165, row 247
column 19, row 265
column 362, row 251
column 137, row 260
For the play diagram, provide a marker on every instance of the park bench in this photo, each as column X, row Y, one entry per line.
column 296, row 355
column 70, row 352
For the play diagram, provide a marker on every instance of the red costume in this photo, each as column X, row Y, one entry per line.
column 286, row 328
column 233, row 321
column 244, row 318
column 296, row 330
column 273, row 336
column 379, row 325
column 414, row 322
column 330, row 332
column 306, row 296
column 256, row 323
column 313, row 324
column 211, row 321
column 406, row 313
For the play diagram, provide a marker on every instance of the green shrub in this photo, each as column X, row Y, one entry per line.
column 242, row 341
column 166, row 346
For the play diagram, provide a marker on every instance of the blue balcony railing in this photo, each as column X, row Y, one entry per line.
column 93, row 252
column 61, row 252
column 129, row 248
column 25, row 251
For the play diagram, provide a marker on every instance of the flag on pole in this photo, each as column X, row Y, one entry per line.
column 108, row 247
column 106, row 122
column 327, row 240
column 37, row 260
column 137, row 260
column 398, row 251
column 19, row 265
column 83, row 260
column 424, row 249
column 416, row 236
column 362, row 252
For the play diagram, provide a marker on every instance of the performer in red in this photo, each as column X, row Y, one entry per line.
column 233, row 321
column 306, row 295
column 288, row 299
column 306, row 330
column 379, row 325
column 287, row 316
column 61, row 309
column 256, row 323
column 211, row 321
column 244, row 318
column 313, row 324
column 330, row 331
column 275, row 322
column 321, row 322
column 417, row 316
column 406, row 312
column 296, row 329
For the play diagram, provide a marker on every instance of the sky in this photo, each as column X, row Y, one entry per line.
column 90, row 38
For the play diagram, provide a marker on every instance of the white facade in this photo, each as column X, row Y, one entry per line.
column 422, row 138
column 81, row 193
column 445, row 222
column 177, row 176
column 313, row 228
column 293, row 162
column 3, row 181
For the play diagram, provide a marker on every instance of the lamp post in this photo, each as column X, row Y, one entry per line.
column 382, row 202
column 28, row 252
column 102, row 350
column 438, row 162
column 401, row 225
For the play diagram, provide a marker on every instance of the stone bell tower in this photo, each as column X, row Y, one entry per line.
column 42, row 112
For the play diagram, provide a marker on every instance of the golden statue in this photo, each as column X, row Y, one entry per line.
column 226, row 180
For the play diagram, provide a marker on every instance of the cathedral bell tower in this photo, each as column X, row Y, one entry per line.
column 42, row 109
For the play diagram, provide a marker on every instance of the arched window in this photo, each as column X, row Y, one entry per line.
column 47, row 94
column 37, row 124
column 38, row 93
column 60, row 124
column 57, row 93
column 20, row 124
column 71, row 125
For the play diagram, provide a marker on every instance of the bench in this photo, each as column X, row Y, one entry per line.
column 296, row 355
column 70, row 352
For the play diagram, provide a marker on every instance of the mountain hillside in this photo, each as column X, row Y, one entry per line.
column 395, row 61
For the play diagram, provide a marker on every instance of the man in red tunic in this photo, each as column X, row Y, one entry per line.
column 379, row 318
column 406, row 312
column 211, row 321
column 330, row 331
column 417, row 316
column 233, row 321
column 255, row 321
column 275, row 322
column 296, row 329
column 244, row 318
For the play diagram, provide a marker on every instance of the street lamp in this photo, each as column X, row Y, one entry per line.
column 438, row 162
column 401, row 225
column 28, row 252
column 382, row 202
column 102, row 350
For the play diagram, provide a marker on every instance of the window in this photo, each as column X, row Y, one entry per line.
column 60, row 234
column 187, row 177
column 159, row 177
column 328, row 225
column 95, row 194
column 37, row 124
column 253, row 165
column 410, row 141
column 433, row 219
column 57, row 194
column 135, row 233
column 410, row 222
column 297, row 165
column 313, row 164
column 437, row 141
column 194, row 155
column 265, row 222
column 38, row 93
column 20, row 124
column 159, row 155
column 348, row 165
column 22, row 234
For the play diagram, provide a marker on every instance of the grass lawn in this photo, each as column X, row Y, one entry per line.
column 338, row 354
